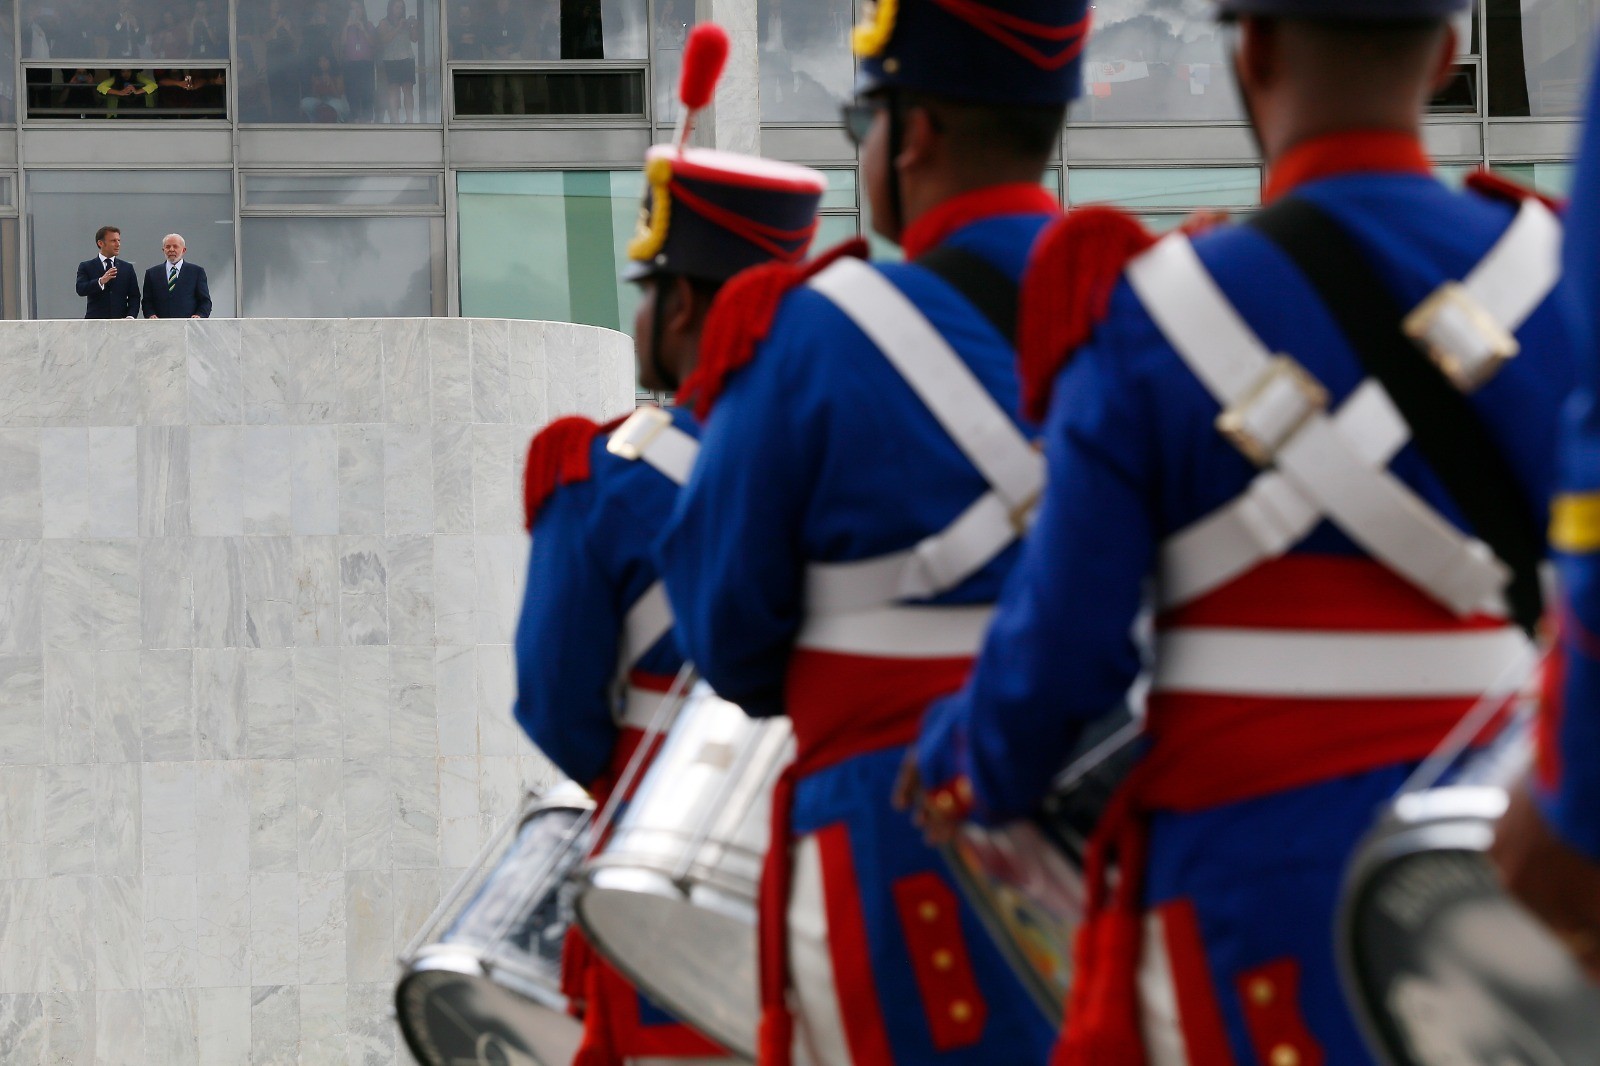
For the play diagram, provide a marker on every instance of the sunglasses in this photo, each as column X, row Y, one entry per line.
column 858, row 118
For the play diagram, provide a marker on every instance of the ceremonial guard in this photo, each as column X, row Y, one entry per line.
column 595, row 649
column 1548, row 845
column 1318, row 446
column 863, row 482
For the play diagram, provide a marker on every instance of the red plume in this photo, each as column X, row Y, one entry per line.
column 704, row 56
column 1067, row 291
column 559, row 455
column 1498, row 187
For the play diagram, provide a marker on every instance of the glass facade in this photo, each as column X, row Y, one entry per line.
column 806, row 68
column 66, row 207
column 548, row 244
column 320, row 267
column 487, row 151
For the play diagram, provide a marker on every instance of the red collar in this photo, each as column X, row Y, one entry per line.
column 1349, row 152
column 934, row 226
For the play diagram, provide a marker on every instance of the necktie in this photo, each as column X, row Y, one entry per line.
column 172, row 277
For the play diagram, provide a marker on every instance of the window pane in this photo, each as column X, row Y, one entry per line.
column 126, row 30
column 547, row 29
column 1142, row 188
column 1459, row 95
column 8, row 64
column 1538, row 55
column 339, row 61
column 8, row 191
column 341, row 190
column 806, row 67
column 548, row 245
column 10, row 271
column 841, row 191
column 674, row 20
column 65, row 207
column 1156, row 59
column 488, row 93
column 832, row 230
column 1552, row 179
column 160, row 93
column 337, row 267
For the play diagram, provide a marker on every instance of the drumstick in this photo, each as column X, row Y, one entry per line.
column 704, row 56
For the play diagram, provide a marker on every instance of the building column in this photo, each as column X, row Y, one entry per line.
column 733, row 122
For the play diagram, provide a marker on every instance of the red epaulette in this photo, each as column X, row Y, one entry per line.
column 1496, row 187
column 741, row 317
column 559, row 455
column 1066, row 292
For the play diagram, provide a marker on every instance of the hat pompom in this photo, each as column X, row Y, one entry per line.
column 1067, row 290
column 704, row 56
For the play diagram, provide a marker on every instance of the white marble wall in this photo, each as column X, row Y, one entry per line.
column 257, row 586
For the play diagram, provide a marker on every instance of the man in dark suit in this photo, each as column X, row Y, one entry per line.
column 176, row 289
column 109, row 282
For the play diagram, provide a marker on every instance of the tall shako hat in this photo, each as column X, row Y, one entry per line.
column 982, row 51
column 710, row 214
column 1334, row 10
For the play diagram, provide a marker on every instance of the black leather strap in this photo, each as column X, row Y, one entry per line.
column 1446, row 428
column 985, row 286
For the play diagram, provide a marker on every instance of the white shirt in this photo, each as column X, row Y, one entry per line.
column 106, row 262
column 173, row 268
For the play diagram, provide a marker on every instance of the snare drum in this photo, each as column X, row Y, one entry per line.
column 1025, row 879
column 1441, row 966
column 488, row 989
column 670, row 899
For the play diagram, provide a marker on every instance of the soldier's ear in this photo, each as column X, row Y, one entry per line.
column 921, row 142
column 1258, row 58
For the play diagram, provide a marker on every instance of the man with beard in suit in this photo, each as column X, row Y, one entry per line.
column 176, row 289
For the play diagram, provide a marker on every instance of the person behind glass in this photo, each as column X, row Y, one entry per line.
column 504, row 32
column 127, row 83
column 127, row 33
column 357, row 47
column 107, row 281
column 326, row 92
column 794, row 560
column 282, row 46
column 207, row 39
column 595, row 649
column 1547, row 845
column 172, row 40
column 1300, row 451
column 397, row 36
column 176, row 288
column 78, row 91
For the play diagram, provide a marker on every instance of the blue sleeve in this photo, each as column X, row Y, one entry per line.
column 1061, row 651
column 731, row 555
column 148, row 302
column 87, row 283
column 567, row 644
column 202, row 294
column 1573, row 805
column 130, row 307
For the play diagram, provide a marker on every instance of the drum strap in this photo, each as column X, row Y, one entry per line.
column 1448, row 431
column 855, row 606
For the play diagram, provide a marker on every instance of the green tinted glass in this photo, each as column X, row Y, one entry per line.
column 1142, row 188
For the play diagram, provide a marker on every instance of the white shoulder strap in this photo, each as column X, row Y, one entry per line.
column 938, row 376
column 966, row 411
column 647, row 621
column 649, row 434
column 1274, row 412
column 1509, row 284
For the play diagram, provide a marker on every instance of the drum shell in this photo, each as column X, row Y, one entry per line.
column 490, row 970
column 670, row 899
column 1438, row 963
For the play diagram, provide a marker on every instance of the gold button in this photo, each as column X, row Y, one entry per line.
column 943, row 960
column 891, row 66
column 1285, row 1055
column 928, row 911
column 1261, row 992
column 961, row 1011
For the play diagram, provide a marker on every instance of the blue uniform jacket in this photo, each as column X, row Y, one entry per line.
column 819, row 450
column 1572, row 799
column 591, row 561
column 1134, row 457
